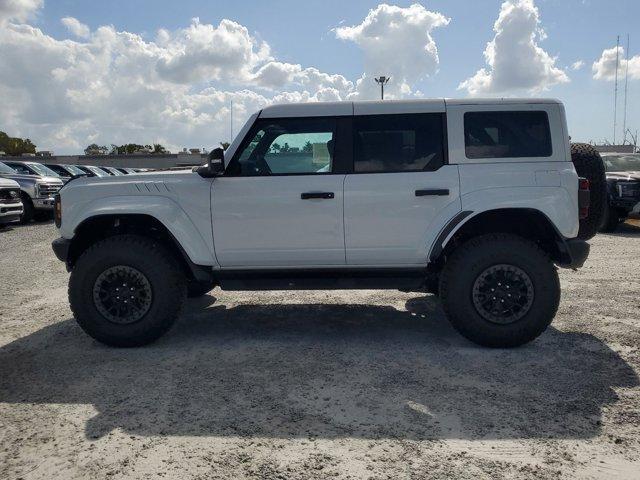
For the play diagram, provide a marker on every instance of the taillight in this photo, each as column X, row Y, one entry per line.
column 57, row 210
column 584, row 197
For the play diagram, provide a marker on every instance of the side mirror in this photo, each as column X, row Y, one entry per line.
column 214, row 166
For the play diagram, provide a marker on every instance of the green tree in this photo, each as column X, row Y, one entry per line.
column 95, row 149
column 15, row 145
column 308, row 147
column 159, row 149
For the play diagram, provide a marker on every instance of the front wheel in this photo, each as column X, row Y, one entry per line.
column 500, row 290
column 126, row 290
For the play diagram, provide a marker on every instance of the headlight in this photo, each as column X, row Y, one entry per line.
column 628, row 189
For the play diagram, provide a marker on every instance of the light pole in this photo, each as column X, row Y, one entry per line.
column 382, row 81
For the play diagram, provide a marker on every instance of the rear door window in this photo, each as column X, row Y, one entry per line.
column 398, row 143
column 508, row 134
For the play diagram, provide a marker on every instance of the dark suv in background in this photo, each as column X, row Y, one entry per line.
column 623, row 188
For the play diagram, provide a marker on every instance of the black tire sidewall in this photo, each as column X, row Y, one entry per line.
column 478, row 255
column 154, row 262
column 27, row 209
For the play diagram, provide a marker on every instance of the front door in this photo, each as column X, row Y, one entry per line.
column 280, row 203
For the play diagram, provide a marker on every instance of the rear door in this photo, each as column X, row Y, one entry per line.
column 280, row 201
column 401, row 186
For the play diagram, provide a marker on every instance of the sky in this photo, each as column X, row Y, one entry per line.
column 77, row 72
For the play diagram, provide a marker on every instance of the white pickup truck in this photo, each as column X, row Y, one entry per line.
column 476, row 201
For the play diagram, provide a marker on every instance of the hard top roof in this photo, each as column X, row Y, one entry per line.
column 321, row 109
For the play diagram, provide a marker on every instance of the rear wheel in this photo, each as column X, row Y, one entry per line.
column 500, row 290
column 589, row 165
column 126, row 291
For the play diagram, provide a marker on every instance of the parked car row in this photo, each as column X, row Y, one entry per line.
column 27, row 188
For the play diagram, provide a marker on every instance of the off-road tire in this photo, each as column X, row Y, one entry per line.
column 27, row 208
column 468, row 262
column 162, row 272
column 611, row 220
column 588, row 164
column 199, row 289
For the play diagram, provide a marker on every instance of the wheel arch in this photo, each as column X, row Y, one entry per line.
column 98, row 227
column 529, row 223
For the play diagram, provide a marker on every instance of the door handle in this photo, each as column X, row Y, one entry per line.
column 438, row 192
column 310, row 195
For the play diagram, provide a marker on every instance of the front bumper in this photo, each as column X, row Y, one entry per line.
column 43, row 203
column 574, row 253
column 10, row 212
column 61, row 247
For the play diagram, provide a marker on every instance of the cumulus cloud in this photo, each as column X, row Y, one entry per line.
column 275, row 75
column 396, row 41
column 204, row 52
column 18, row 10
column 109, row 86
column 515, row 60
column 77, row 28
column 605, row 67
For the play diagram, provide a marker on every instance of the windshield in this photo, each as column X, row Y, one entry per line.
column 7, row 169
column 42, row 170
column 622, row 163
column 74, row 170
column 96, row 171
column 115, row 171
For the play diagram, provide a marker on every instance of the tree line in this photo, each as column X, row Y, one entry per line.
column 126, row 149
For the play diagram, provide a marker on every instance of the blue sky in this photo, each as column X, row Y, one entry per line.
column 301, row 33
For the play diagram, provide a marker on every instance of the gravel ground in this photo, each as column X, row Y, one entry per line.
column 303, row 385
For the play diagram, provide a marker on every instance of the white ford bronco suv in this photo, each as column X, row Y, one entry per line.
column 476, row 201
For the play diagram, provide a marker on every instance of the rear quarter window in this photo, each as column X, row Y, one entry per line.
column 507, row 134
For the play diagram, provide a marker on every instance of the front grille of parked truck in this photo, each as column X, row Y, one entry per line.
column 9, row 195
column 48, row 189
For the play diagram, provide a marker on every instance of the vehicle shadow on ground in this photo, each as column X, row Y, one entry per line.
column 625, row 229
column 320, row 370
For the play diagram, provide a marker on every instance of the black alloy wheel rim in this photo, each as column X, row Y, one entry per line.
column 122, row 294
column 503, row 294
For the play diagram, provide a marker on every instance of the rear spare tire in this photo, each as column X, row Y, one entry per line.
column 589, row 165
column 499, row 290
column 126, row 290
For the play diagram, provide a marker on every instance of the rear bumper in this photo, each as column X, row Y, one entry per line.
column 61, row 248
column 574, row 253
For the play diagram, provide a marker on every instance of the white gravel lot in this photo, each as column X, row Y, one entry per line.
column 304, row 385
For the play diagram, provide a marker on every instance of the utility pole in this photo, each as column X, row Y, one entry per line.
column 626, row 88
column 382, row 81
column 615, row 92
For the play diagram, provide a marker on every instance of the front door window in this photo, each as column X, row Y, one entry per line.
column 284, row 147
